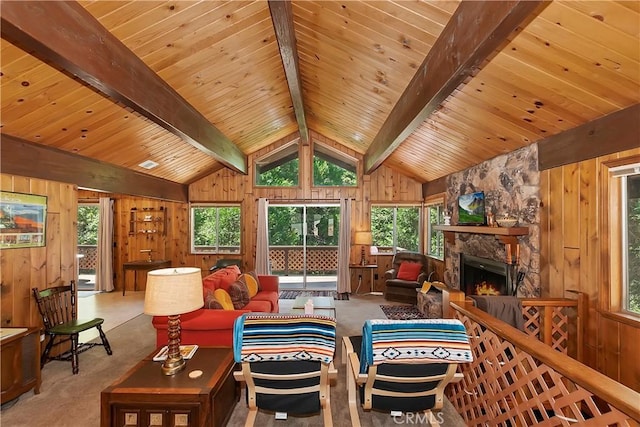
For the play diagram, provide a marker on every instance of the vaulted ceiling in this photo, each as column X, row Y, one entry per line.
column 426, row 87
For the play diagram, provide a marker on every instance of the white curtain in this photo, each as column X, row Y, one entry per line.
column 344, row 247
column 263, row 266
column 104, row 269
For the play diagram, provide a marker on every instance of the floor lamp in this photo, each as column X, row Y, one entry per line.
column 172, row 292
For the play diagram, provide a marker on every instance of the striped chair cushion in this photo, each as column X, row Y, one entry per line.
column 277, row 337
column 414, row 341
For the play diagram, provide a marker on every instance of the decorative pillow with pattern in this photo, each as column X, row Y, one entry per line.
column 239, row 294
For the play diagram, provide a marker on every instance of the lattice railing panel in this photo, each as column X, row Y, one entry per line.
column 505, row 386
column 558, row 330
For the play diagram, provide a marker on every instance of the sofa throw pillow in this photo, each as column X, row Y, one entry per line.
column 210, row 301
column 255, row 276
column 409, row 271
column 251, row 282
column 221, row 278
column 224, row 299
column 239, row 294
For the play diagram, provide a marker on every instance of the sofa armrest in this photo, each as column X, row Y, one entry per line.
column 203, row 320
column 269, row 283
column 390, row 274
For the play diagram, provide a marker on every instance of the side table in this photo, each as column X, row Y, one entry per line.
column 20, row 349
column 372, row 268
column 146, row 397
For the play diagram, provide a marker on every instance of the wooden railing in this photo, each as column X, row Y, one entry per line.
column 518, row 381
column 557, row 322
column 290, row 260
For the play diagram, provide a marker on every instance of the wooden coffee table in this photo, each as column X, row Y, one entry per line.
column 146, row 397
column 324, row 306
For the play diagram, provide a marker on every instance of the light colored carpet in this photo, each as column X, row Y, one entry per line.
column 74, row 400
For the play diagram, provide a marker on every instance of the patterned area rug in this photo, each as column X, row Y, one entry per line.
column 296, row 294
column 401, row 312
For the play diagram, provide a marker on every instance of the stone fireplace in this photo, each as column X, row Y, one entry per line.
column 483, row 276
column 511, row 184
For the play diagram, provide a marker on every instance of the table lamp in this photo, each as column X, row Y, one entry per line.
column 363, row 238
column 172, row 292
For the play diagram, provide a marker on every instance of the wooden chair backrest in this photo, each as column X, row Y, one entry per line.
column 57, row 305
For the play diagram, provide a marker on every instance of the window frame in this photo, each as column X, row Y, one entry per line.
column 215, row 248
column 429, row 231
column 611, row 248
column 337, row 157
column 395, row 206
column 292, row 150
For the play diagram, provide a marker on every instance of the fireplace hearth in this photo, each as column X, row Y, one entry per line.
column 483, row 276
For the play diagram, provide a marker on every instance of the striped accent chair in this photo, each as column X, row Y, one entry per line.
column 401, row 366
column 286, row 363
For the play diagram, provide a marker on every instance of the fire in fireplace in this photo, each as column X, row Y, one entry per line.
column 482, row 276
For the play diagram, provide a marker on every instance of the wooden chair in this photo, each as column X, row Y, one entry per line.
column 286, row 362
column 401, row 366
column 57, row 307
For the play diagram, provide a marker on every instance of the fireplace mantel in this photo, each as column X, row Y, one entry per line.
column 479, row 229
column 507, row 235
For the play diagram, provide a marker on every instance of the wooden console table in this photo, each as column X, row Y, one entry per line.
column 146, row 397
column 141, row 265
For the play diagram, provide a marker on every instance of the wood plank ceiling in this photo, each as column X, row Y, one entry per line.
column 380, row 77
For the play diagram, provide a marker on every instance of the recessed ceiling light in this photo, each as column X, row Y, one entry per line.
column 148, row 164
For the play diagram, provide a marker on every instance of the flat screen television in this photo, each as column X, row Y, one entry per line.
column 471, row 209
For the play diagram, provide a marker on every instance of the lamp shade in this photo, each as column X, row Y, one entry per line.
column 363, row 238
column 172, row 291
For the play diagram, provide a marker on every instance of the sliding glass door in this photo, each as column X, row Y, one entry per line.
column 303, row 245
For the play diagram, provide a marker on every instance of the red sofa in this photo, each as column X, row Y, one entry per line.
column 214, row 327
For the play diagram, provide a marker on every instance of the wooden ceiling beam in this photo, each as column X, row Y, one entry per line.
column 609, row 134
column 24, row 158
column 282, row 17
column 474, row 33
column 68, row 37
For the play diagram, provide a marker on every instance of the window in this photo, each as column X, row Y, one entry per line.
column 435, row 238
column 280, row 168
column 624, row 234
column 215, row 229
column 395, row 228
column 630, row 186
column 332, row 168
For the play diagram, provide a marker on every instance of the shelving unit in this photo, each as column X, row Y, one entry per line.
column 147, row 221
column 507, row 235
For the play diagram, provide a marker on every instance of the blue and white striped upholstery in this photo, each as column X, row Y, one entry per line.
column 414, row 341
column 281, row 337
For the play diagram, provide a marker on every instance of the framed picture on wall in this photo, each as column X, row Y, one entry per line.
column 23, row 219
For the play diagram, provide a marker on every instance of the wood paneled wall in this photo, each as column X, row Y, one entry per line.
column 24, row 268
column 44, row 267
column 573, row 259
column 384, row 185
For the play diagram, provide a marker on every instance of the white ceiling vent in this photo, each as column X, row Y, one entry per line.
column 148, row 164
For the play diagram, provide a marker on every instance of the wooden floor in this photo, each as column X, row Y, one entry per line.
column 113, row 307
